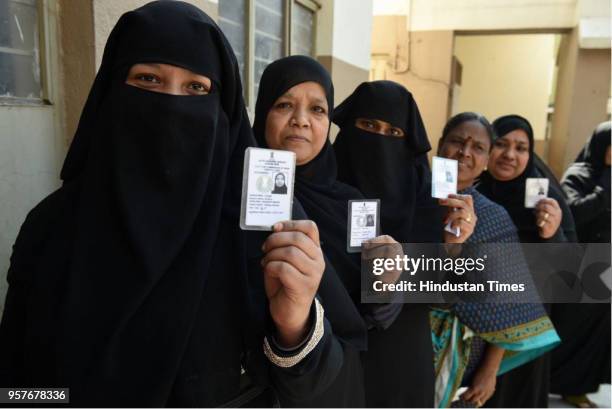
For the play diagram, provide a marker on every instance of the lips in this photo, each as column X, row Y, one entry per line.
column 296, row 138
column 505, row 165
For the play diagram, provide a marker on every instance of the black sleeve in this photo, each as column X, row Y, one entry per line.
column 14, row 318
column 586, row 199
column 12, row 329
column 32, row 235
column 314, row 374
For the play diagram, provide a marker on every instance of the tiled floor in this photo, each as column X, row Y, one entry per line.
column 602, row 398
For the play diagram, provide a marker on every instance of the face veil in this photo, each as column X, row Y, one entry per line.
column 392, row 169
column 155, row 176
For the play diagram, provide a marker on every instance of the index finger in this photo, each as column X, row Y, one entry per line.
column 308, row 227
column 466, row 198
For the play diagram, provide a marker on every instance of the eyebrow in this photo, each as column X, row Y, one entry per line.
column 290, row 95
column 150, row 64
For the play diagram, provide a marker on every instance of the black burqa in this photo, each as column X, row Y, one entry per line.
column 399, row 362
column 582, row 362
column 324, row 200
column 527, row 385
column 586, row 184
column 121, row 276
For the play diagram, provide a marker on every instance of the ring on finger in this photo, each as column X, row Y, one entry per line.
column 469, row 218
column 542, row 223
column 546, row 215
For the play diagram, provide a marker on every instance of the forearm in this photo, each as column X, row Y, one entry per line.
column 492, row 359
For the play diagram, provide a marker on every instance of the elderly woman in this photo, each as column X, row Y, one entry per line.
column 485, row 339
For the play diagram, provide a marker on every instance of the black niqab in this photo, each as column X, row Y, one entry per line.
column 155, row 177
column 392, row 169
column 398, row 365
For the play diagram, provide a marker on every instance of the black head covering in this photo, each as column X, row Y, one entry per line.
column 511, row 194
column 323, row 198
column 594, row 151
column 392, row 169
column 156, row 175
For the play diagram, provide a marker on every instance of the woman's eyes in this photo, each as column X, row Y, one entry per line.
column 199, row 88
column 148, row 78
column 395, row 132
column 319, row 109
column 283, row 105
column 368, row 124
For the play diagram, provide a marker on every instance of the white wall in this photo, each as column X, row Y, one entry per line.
column 483, row 14
column 31, row 151
column 29, row 170
column 391, row 7
column 507, row 74
column 344, row 30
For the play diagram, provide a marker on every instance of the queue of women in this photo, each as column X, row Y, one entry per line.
column 133, row 284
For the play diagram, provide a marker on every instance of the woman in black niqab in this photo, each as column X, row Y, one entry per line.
column 398, row 364
column 128, row 284
column 126, row 259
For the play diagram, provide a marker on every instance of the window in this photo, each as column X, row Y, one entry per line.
column 261, row 31
column 20, row 71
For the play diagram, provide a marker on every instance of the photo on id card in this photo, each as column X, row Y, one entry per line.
column 443, row 177
column 363, row 223
column 267, row 188
column 536, row 189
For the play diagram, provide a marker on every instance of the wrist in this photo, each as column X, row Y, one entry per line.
column 289, row 335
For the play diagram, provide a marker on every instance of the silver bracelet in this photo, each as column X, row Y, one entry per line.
column 289, row 361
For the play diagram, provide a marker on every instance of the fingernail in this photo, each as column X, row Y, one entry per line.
column 277, row 226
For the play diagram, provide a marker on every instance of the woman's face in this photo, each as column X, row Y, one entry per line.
column 469, row 144
column 298, row 121
column 279, row 180
column 168, row 79
column 509, row 155
column 379, row 127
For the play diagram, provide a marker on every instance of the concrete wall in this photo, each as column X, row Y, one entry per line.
column 583, row 90
column 421, row 61
column 507, row 74
column 343, row 43
column 107, row 12
column 429, row 15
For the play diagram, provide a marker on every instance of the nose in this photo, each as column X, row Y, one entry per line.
column 466, row 150
column 300, row 118
column 508, row 154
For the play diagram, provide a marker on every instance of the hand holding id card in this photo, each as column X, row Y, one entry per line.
column 363, row 223
column 535, row 190
column 444, row 182
column 267, row 188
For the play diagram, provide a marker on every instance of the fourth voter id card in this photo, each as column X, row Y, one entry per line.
column 444, row 182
